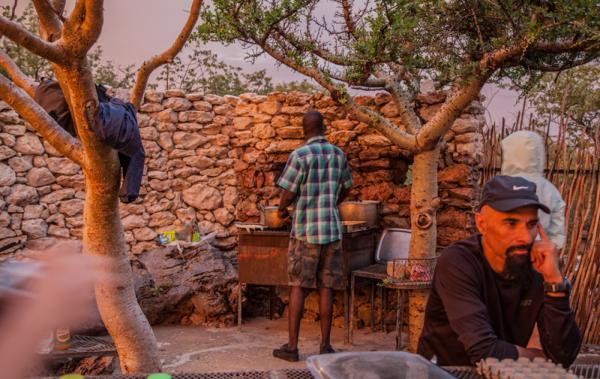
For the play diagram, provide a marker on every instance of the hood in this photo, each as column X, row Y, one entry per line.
column 523, row 152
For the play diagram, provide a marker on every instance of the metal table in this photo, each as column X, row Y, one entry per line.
column 263, row 259
column 378, row 272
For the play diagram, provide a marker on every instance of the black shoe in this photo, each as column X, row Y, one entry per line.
column 286, row 354
column 326, row 350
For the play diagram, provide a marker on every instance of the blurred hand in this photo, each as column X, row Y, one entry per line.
column 544, row 257
column 283, row 213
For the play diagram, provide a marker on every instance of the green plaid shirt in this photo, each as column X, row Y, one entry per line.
column 316, row 172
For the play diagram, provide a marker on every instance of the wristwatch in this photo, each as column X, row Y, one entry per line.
column 564, row 286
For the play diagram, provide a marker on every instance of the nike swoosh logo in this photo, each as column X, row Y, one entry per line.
column 516, row 188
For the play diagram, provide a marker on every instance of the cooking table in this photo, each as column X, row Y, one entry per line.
column 262, row 260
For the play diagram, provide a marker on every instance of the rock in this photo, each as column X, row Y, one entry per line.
column 6, row 152
column 205, row 106
column 62, row 166
column 33, row 211
column 223, row 217
column 34, row 229
column 29, row 144
column 132, row 222
column 295, row 110
column 263, row 131
column 57, row 231
column 468, row 137
column 5, row 233
column 20, row 164
column 230, row 197
column 465, row 125
column 151, row 107
column 22, row 195
column 430, row 98
column 159, row 185
column 196, row 116
column 459, row 175
column 280, row 121
column 177, row 104
column 290, row 132
column 284, row 146
column 72, row 181
column 427, row 112
column 242, row 123
column 7, row 175
column 175, row 92
column 10, row 117
column 446, row 235
column 389, row 110
column 4, row 219
column 56, row 196
column 199, row 161
column 152, row 96
column 71, row 207
column 8, row 139
column 188, row 141
column 149, row 133
column 15, row 130
column 270, row 107
column 40, row 176
column 343, row 124
column 167, row 116
column 195, row 96
column 57, row 219
column 144, row 234
column 374, row 140
column 161, row 219
column 165, row 140
column 202, row 197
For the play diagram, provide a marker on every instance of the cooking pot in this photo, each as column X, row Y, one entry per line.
column 366, row 210
column 269, row 217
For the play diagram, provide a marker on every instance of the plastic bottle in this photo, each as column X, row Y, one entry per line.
column 62, row 338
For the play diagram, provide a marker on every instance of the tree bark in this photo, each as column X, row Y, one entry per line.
column 424, row 202
column 103, row 235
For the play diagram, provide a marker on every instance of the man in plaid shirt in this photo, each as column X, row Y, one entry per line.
column 318, row 178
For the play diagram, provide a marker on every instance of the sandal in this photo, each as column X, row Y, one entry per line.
column 326, row 350
column 286, row 354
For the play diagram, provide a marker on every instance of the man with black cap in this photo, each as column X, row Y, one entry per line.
column 491, row 289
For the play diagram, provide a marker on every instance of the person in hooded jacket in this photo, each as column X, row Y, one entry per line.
column 523, row 154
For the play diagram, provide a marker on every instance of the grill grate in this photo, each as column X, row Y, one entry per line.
column 587, row 371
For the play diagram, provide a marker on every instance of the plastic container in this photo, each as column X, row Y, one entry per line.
column 62, row 338
column 160, row 375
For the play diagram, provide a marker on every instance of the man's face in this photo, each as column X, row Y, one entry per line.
column 507, row 238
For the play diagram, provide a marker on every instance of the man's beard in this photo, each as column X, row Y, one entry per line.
column 518, row 267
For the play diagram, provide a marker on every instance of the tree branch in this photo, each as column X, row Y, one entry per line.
column 15, row 73
column 407, row 113
column 21, row 36
column 50, row 25
column 158, row 60
column 41, row 121
column 83, row 26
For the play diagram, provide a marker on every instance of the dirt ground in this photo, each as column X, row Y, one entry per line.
column 200, row 349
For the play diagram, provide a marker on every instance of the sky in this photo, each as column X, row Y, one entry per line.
column 135, row 30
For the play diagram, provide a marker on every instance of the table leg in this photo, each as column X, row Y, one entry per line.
column 399, row 318
column 372, row 321
column 383, row 306
column 239, row 304
column 346, row 322
column 351, row 326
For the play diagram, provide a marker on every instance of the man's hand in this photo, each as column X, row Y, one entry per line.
column 544, row 256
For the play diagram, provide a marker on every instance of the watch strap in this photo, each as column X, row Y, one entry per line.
column 563, row 286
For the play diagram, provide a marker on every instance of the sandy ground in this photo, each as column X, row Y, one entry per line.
column 200, row 349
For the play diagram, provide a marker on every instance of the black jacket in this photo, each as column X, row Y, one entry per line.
column 472, row 313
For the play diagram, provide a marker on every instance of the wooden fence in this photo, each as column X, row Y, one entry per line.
column 573, row 165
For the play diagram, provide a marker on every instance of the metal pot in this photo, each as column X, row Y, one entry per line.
column 367, row 211
column 269, row 217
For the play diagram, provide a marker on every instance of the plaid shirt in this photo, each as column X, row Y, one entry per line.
column 316, row 173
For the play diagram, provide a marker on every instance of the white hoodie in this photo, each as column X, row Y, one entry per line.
column 523, row 155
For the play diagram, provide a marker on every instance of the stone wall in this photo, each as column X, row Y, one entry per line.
column 218, row 158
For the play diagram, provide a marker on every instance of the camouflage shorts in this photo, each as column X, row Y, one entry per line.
column 315, row 266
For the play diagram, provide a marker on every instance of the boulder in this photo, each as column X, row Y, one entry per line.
column 56, row 196
column 196, row 116
column 161, row 219
column 204, row 106
column 144, row 234
column 199, row 161
column 6, row 152
column 133, row 221
column 177, row 104
column 263, row 131
column 15, row 130
column 203, row 197
column 33, row 211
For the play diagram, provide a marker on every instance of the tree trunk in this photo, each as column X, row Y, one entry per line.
column 423, row 205
column 103, row 236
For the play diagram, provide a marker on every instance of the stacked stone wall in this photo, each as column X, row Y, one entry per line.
column 217, row 159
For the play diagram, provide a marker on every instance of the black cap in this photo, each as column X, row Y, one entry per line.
column 507, row 193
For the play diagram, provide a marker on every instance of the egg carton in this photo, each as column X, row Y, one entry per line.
column 523, row 368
